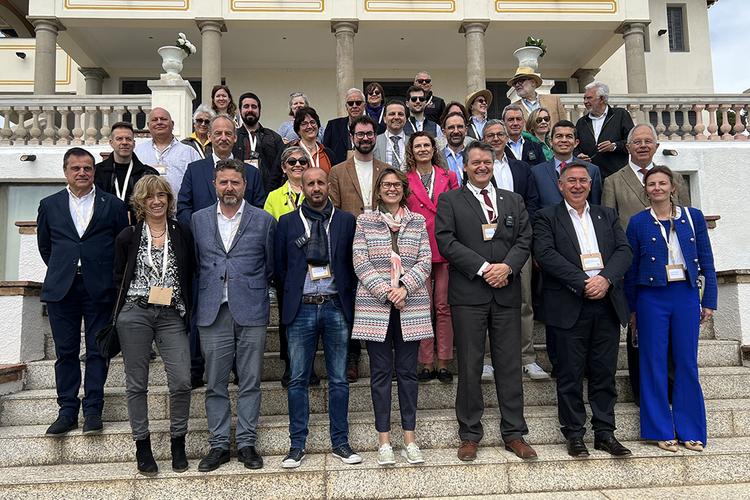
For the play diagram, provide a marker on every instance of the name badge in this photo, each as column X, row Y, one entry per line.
column 253, row 163
column 592, row 261
column 319, row 272
column 160, row 296
column 675, row 272
column 488, row 231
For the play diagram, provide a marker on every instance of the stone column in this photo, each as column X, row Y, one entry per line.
column 635, row 55
column 344, row 31
column 585, row 76
column 211, row 30
column 475, row 67
column 45, row 54
column 94, row 78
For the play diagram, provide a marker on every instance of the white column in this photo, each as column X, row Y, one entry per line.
column 344, row 31
column 585, row 76
column 635, row 55
column 45, row 55
column 475, row 66
column 211, row 30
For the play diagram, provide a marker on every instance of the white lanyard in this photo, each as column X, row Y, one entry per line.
column 392, row 146
column 487, row 208
column 380, row 119
column 414, row 124
column 431, row 187
column 311, row 154
column 476, row 132
column 253, row 141
column 307, row 226
column 161, row 154
column 292, row 195
column 119, row 194
column 669, row 241
column 165, row 255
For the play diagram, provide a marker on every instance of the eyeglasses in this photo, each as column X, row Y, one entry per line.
column 202, row 121
column 497, row 135
column 362, row 135
column 309, row 123
column 416, row 98
column 423, row 81
column 351, row 104
column 294, row 161
column 374, row 92
column 540, row 119
column 392, row 185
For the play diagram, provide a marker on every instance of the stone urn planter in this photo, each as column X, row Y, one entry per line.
column 528, row 57
column 171, row 59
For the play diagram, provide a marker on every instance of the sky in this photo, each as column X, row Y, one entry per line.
column 729, row 22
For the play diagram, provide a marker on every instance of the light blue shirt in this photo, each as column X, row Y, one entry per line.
column 516, row 147
column 455, row 163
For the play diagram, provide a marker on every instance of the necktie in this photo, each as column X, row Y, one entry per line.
column 563, row 165
column 643, row 172
column 488, row 202
column 396, row 162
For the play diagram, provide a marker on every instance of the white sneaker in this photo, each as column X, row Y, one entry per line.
column 488, row 373
column 385, row 455
column 412, row 454
column 535, row 372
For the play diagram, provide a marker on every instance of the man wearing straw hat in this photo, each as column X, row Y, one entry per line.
column 525, row 82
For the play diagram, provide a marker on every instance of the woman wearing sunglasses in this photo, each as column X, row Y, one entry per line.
column 199, row 139
column 538, row 126
column 477, row 104
column 375, row 104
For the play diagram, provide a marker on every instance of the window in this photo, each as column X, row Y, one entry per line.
column 677, row 29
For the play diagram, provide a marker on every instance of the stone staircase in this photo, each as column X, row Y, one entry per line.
column 35, row 466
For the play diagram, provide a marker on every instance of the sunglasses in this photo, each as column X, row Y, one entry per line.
column 294, row 161
column 480, row 100
column 374, row 92
column 416, row 98
column 423, row 81
column 351, row 104
column 202, row 121
column 541, row 119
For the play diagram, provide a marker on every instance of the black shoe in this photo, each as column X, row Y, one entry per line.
column 213, row 460
column 179, row 460
column 425, row 375
column 612, row 446
column 250, row 457
column 576, row 448
column 196, row 382
column 444, row 376
column 314, row 379
column 286, row 377
column 145, row 458
column 62, row 426
column 293, row 459
column 345, row 453
column 352, row 371
column 92, row 424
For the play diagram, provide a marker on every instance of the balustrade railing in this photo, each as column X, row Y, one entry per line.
column 719, row 117
column 67, row 119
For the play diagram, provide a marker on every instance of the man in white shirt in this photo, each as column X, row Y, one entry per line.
column 416, row 101
column 163, row 151
column 390, row 146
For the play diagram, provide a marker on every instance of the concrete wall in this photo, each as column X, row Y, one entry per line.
column 17, row 76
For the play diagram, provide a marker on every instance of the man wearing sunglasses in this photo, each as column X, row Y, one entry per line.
column 434, row 105
column 337, row 137
column 416, row 101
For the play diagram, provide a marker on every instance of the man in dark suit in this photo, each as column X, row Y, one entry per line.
column 584, row 254
column 519, row 148
column 76, row 231
column 336, row 136
column 515, row 175
column 564, row 141
column 257, row 145
column 315, row 305
column 416, row 101
column 603, row 131
column 485, row 235
column 435, row 106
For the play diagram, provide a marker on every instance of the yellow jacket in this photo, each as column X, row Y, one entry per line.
column 279, row 202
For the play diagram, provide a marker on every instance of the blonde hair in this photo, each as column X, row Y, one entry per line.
column 150, row 185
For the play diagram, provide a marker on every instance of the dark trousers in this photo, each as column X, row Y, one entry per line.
column 382, row 364
column 589, row 348
column 283, row 344
column 355, row 351
column 197, row 363
column 503, row 324
column 65, row 320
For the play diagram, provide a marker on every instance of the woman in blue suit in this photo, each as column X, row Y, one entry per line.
column 671, row 250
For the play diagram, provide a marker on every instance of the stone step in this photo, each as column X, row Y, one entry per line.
column 496, row 471
column 39, row 407
column 27, row 445
column 41, row 374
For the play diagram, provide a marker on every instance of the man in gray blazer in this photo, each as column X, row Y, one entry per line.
column 234, row 254
column 390, row 146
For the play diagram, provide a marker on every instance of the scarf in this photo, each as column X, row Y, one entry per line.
column 393, row 221
column 316, row 249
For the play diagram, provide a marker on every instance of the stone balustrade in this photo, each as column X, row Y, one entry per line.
column 678, row 117
column 66, row 119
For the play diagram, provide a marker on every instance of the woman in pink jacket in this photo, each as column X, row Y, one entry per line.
column 428, row 180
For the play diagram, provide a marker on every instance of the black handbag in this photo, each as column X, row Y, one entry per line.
column 107, row 340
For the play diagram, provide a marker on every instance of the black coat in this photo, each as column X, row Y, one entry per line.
column 268, row 147
column 336, row 138
column 532, row 153
column 616, row 127
column 434, row 110
column 105, row 176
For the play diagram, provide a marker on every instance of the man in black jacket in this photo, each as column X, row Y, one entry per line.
column 603, row 132
column 336, row 136
column 434, row 105
column 256, row 145
column 122, row 169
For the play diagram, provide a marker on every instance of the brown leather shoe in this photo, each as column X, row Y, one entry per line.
column 468, row 451
column 522, row 449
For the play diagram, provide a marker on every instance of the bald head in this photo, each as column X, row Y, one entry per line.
column 160, row 125
column 315, row 187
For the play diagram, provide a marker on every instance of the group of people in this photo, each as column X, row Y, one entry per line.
column 413, row 226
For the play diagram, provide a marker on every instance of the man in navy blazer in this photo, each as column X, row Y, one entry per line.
column 336, row 136
column 517, row 147
column 317, row 237
column 76, row 231
column 564, row 141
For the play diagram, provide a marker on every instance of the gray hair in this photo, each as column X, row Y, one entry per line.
column 511, row 107
column 492, row 123
column 602, row 89
column 295, row 95
column 354, row 90
column 204, row 109
column 642, row 125
column 220, row 116
column 290, row 151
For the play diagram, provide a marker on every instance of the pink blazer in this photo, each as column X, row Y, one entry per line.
column 419, row 202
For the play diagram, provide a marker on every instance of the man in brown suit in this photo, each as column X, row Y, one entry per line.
column 525, row 82
column 352, row 190
column 624, row 192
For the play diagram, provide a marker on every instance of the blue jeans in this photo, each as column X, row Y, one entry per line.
column 328, row 320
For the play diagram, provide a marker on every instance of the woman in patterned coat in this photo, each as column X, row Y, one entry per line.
column 392, row 260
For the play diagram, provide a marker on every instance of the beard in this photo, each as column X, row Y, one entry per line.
column 365, row 147
column 250, row 119
column 230, row 200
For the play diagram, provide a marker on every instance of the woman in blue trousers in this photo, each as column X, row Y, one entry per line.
column 671, row 251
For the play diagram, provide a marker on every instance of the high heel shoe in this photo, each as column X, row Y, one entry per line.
column 670, row 445
column 693, row 445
